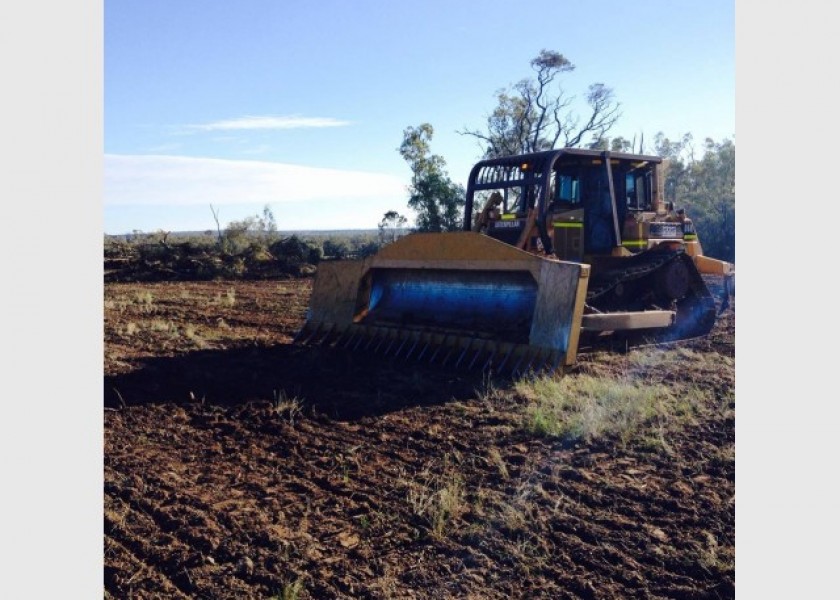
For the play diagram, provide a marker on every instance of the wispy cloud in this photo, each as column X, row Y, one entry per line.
column 177, row 180
column 251, row 123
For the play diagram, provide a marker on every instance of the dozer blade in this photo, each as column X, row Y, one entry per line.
column 460, row 300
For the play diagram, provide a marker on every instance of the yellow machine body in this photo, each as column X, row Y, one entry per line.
column 559, row 247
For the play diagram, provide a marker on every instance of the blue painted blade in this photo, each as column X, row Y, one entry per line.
column 499, row 304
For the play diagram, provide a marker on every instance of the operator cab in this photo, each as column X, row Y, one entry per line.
column 569, row 202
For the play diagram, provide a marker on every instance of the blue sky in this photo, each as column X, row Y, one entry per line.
column 301, row 106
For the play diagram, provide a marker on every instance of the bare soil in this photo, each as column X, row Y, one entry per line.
column 237, row 465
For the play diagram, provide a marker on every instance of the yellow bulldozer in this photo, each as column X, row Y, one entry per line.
column 560, row 249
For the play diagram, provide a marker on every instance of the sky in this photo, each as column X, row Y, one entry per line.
column 301, row 106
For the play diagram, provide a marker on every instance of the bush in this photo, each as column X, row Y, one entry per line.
column 239, row 254
column 335, row 249
column 367, row 249
column 291, row 249
column 315, row 254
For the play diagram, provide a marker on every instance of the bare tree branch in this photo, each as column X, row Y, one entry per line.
column 216, row 218
column 534, row 114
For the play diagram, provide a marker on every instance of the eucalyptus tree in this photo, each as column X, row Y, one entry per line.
column 437, row 201
column 537, row 113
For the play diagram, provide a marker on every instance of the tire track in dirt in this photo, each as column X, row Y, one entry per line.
column 302, row 481
column 191, row 553
column 170, row 555
column 121, row 577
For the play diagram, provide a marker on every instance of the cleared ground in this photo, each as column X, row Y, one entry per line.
column 239, row 466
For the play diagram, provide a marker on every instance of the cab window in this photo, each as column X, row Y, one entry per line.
column 566, row 188
column 637, row 190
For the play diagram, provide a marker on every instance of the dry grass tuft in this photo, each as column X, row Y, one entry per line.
column 437, row 499
column 583, row 407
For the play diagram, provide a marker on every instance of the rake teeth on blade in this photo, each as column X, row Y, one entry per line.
column 479, row 352
column 490, row 357
column 380, row 339
column 515, row 370
column 401, row 346
column 444, row 350
column 306, row 333
column 301, row 333
column 317, row 334
column 438, row 348
column 364, row 338
column 327, row 338
column 411, row 349
column 423, row 351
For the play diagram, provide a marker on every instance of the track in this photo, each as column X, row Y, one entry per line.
column 633, row 284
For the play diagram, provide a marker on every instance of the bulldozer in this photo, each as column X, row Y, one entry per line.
column 560, row 249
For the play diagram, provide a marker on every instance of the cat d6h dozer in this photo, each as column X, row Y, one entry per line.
column 568, row 246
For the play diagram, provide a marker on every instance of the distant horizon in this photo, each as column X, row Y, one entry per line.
column 201, row 232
